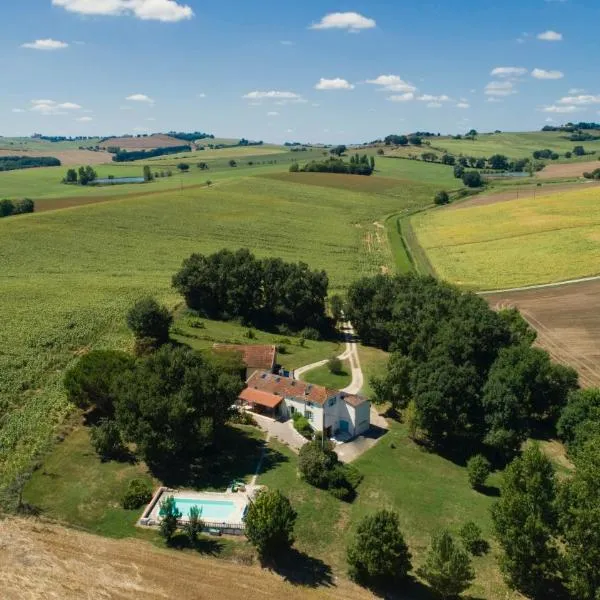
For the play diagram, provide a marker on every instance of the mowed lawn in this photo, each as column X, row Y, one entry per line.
column 69, row 276
column 510, row 244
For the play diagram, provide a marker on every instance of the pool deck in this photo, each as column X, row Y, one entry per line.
column 234, row 521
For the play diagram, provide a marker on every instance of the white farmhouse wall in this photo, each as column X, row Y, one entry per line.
column 302, row 407
column 362, row 418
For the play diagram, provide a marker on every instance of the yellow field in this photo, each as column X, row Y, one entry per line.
column 510, row 244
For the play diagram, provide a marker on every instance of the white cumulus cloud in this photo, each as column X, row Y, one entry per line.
column 407, row 97
column 435, row 99
column 84, row 119
column 271, row 95
column 140, row 98
column 500, row 88
column 434, row 105
column 333, row 84
column 147, row 10
column 351, row 21
column 392, row 83
column 46, row 44
column 550, row 36
column 463, row 105
column 560, row 109
column 508, row 72
column 582, row 100
column 543, row 74
column 50, row 107
column 18, row 110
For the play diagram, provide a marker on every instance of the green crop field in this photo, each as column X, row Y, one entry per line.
column 509, row 244
column 37, row 145
column 513, row 145
column 69, row 276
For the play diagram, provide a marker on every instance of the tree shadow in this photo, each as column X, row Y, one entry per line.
column 489, row 490
column 203, row 545
column 410, row 589
column 300, row 569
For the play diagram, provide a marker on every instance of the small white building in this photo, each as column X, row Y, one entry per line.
column 331, row 411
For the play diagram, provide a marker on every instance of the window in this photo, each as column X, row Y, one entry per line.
column 292, row 409
column 332, row 401
column 308, row 414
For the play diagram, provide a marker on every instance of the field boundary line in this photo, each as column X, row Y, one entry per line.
column 539, row 286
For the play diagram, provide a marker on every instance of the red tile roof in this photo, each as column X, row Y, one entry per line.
column 289, row 388
column 254, row 356
column 263, row 398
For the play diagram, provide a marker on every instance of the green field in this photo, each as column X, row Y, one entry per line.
column 513, row 145
column 69, row 276
column 36, row 145
column 509, row 244
column 333, row 381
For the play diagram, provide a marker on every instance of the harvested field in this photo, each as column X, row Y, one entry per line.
column 40, row 560
column 521, row 194
column 66, row 157
column 143, row 143
column 567, row 319
column 576, row 169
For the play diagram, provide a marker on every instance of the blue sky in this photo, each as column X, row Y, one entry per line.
column 310, row 71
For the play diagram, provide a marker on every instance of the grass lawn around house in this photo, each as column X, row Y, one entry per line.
column 76, row 487
column 373, row 363
column 426, row 490
column 324, row 377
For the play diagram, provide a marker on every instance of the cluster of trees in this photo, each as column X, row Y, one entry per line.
column 129, row 156
column 571, row 127
column 595, row 174
column 546, row 153
column 61, row 138
column 190, row 137
column 549, row 527
column 580, row 136
column 320, row 466
column 9, row 208
column 414, row 139
column 12, row 163
column 82, row 176
column 228, row 285
column 358, row 165
column 471, row 376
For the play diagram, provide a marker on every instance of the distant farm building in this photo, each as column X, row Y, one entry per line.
column 255, row 357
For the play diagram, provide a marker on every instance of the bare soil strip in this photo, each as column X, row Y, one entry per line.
column 520, row 194
column 45, row 561
column 66, row 157
column 567, row 319
column 576, row 169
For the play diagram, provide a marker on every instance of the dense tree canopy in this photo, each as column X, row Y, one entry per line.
column 580, row 419
column 173, row 404
column 147, row 319
column 229, row 284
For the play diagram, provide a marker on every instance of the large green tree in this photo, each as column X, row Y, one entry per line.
column 525, row 524
column 580, row 418
column 147, row 319
column 270, row 522
column 173, row 406
column 447, row 566
column 378, row 555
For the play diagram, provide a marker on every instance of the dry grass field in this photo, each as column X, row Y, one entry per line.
column 66, row 157
column 567, row 319
column 576, row 169
column 157, row 140
column 42, row 560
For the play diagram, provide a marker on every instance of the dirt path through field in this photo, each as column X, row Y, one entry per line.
column 567, row 319
column 41, row 561
column 520, row 194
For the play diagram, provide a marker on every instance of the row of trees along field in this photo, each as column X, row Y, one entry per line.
column 12, row 163
column 268, row 292
column 81, row 176
column 129, row 156
column 358, row 165
column 8, row 208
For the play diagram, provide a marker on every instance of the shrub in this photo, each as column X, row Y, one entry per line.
column 242, row 417
column 270, row 523
column 24, row 206
column 7, row 208
column 170, row 515
column 470, row 534
column 183, row 167
column 441, row 198
column 194, row 525
column 334, row 365
column 232, row 163
column 147, row 319
column 310, row 333
column 472, row 179
column 106, row 439
column 302, row 426
column 478, row 468
column 250, row 334
column 378, row 554
column 294, row 167
column 315, row 462
column 459, row 171
column 137, row 494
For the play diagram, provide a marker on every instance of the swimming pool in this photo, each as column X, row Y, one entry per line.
column 210, row 510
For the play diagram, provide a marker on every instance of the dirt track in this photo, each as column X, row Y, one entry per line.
column 567, row 319
column 576, row 169
column 47, row 562
column 66, row 157
column 520, row 194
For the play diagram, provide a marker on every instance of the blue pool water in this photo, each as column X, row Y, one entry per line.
column 211, row 510
column 119, row 180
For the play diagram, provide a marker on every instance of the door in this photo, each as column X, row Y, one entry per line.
column 344, row 426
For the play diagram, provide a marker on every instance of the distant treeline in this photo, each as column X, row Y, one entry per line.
column 11, row 163
column 61, row 138
column 191, row 137
column 124, row 156
column 358, row 165
column 571, row 127
column 8, row 208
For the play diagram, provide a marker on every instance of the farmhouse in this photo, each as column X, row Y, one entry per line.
column 255, row 357
column 331, row 411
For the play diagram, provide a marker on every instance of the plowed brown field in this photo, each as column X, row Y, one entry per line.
column 576, row 169
column 66, row 157
column 41, row 561
column 567, row 319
